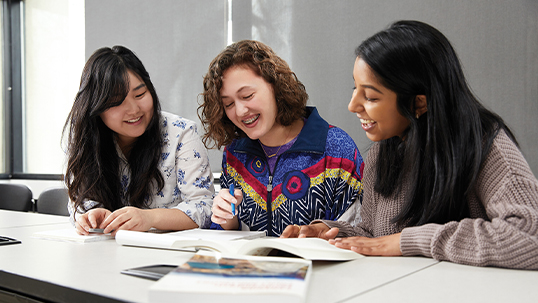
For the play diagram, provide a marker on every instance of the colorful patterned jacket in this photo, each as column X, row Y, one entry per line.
column 319, row 177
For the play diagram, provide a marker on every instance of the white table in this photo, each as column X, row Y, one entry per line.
column 450, row 282
column 10, row 219
column 69, row 272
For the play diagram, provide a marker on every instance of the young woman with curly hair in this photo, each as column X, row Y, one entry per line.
column 289, row 166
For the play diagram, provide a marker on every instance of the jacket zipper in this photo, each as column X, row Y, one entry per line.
column 268, row 205
column 268, row 201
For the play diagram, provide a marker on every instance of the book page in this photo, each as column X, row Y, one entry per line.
column 189, row 240
column 143, row 239
column 307, row 248
column 219, row 235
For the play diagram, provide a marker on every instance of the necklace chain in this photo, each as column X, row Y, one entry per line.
column 272, row 155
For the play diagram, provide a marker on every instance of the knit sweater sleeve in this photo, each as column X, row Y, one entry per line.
column 367, row 210
column 508, row 191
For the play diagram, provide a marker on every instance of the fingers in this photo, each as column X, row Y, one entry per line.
column 291, row 231
column 105, row 224
column 222, row 208
column 112, row 223
column 93, row 218
column 89, row 220
column 82, row 225
column 342, row 242
column 312, row 230
column 120, row 221
column 127, row 218
column 238, row 195
column 381, row 246
column 330, row 234
column 318, row 230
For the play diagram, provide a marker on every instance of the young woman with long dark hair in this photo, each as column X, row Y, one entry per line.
column 445, row 178
column 131, row 166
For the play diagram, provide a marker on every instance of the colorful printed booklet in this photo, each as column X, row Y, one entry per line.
column 212, row 277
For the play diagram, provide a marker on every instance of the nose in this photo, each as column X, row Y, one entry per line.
column 355, row 105
column 240, row 108
column 131, row 106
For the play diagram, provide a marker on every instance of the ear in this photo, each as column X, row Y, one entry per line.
column 421, row 105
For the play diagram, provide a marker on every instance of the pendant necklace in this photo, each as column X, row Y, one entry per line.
column 272, row 155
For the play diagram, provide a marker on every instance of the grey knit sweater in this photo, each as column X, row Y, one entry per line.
column 502, row 229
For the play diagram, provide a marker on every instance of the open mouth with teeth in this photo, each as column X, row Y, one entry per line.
column 134, row 120
column 251, row 120
column 364, row 121
column 367, row 124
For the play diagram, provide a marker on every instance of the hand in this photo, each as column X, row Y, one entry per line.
column 91, row 219
column 381, row 246
column 222, row 208
column 128, row 218
column 317, row 230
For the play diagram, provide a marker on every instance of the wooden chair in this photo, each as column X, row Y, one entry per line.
column 15, row 197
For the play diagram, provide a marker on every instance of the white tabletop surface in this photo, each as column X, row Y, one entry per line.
column 450, row 282
column 10, row 218
column 95, row 268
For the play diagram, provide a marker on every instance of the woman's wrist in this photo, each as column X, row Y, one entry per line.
column 231, row 224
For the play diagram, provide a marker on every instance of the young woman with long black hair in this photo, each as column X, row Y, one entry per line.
column 131, row 166
column 445, row 178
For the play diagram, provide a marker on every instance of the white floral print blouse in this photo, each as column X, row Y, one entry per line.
column 184, row 165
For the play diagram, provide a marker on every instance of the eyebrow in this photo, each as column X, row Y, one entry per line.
column 139, row 86
column 238, row 91
column 372, row 87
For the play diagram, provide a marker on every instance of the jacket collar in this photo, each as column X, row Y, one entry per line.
column 312, row 137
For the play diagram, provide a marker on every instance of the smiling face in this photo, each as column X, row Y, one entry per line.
column 249, row 102
column 130, row 119
column 375, row 105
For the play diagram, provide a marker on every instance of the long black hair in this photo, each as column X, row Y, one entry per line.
column 443, row 149
column 93, row 162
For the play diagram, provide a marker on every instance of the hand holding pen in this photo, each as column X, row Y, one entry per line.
column 224, row 207
column 232, row 192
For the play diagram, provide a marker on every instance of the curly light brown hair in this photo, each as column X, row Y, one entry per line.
column 290, row 93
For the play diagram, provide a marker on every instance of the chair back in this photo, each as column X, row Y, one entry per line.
column 15, row 197
column 53, row 201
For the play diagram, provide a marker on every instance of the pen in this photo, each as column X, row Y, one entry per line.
column 232, row 193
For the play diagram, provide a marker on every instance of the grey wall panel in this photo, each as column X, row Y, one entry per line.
column 175, row 40
column 496, row 40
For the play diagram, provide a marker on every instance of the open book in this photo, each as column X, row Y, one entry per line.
column 167, row 240
column 307, row 248
column 210, row 277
